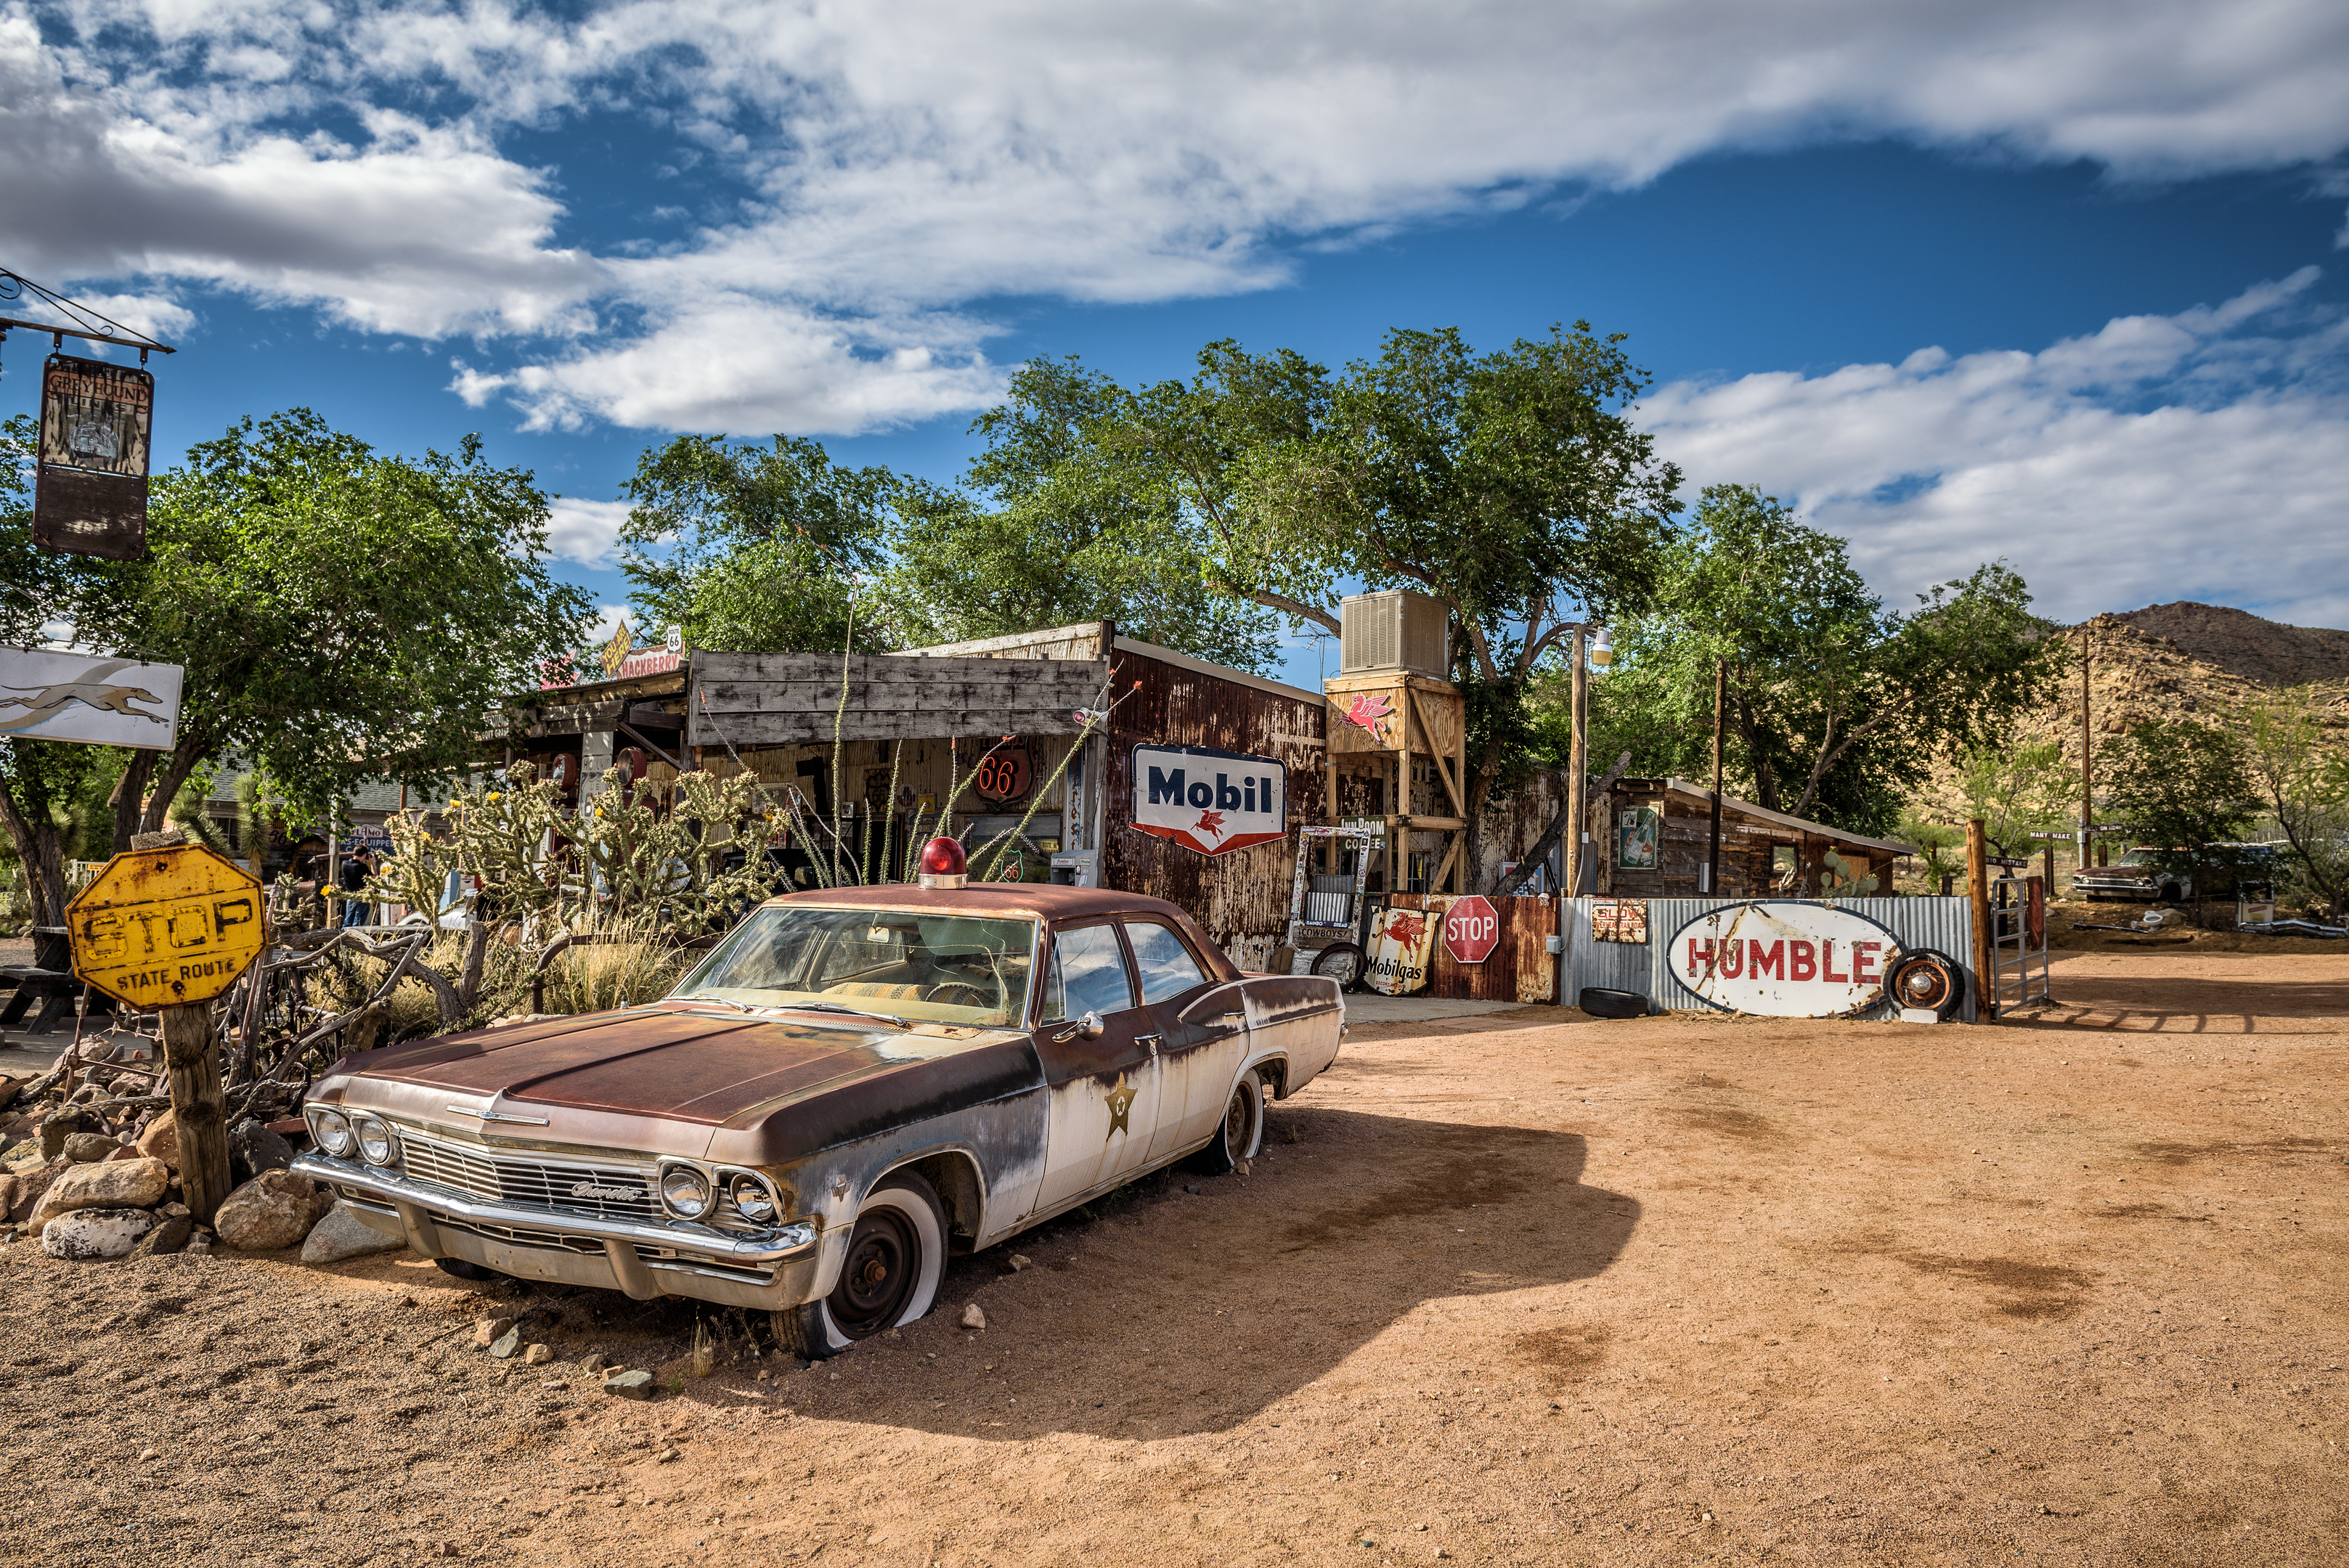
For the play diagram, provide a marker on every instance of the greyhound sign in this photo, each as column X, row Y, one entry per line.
column 95, row 701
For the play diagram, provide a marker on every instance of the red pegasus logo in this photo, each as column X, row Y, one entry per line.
column 1406, row 928
column 1366, row 710
column 1209, row 822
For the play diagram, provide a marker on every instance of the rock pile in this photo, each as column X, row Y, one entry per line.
column 93, row 1184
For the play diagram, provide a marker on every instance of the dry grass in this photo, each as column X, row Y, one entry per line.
column 628, row 964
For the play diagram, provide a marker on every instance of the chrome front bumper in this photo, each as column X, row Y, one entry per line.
column 777, row 1269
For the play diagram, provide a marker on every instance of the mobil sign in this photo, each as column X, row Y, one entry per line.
column 1785, row 959
column 1211, row 801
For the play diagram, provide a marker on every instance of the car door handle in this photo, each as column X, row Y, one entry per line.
column 1150, row 1040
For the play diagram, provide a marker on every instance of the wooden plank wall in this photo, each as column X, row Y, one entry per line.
column 790, row 699
column 1243, row 895
column 1521, row 968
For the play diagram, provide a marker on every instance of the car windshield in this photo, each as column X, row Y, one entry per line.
column 903, row 964
column 2136, row 858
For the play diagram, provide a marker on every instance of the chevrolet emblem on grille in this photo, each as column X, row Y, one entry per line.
column 616, row 1194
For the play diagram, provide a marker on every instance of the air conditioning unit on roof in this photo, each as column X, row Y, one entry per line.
column 1396, row 629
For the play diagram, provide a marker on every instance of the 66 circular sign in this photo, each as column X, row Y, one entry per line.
column 1472, row 929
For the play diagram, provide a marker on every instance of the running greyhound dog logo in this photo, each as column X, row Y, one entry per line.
column 46, row 702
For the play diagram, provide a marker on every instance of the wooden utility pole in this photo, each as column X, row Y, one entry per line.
column 1720, row 707
column 1978, row 889
column 2087, row 765
column 1578, row 761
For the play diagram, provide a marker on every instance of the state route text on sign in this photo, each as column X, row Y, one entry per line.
column 1211, row 801
column 162, row 928
column 1472, row 929
column 1785, row 959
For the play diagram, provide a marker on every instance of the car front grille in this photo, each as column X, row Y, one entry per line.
column 531, row 1181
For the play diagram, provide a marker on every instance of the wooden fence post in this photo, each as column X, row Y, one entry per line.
column 1978, row 889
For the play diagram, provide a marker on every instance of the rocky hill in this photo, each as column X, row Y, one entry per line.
column 2219, row 664
column 2268, row 653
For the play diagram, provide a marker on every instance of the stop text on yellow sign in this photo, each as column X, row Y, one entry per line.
column 161, row 928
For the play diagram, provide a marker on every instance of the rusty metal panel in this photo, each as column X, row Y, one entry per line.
column 1521, row 968
column 1238, row 895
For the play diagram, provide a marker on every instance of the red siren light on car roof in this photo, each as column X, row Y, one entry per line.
column 944, row 863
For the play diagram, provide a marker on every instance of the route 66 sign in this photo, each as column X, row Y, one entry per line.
column 1005, row 774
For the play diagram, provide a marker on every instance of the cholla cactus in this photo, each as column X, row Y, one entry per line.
column 650, row 853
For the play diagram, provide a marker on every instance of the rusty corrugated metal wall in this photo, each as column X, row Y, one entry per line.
column 1238, row 895
column 1521, row 968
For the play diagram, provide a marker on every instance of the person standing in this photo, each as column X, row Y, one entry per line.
column 356, row 869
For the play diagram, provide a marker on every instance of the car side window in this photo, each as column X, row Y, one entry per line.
column 1166, row 966
column 1088, row 974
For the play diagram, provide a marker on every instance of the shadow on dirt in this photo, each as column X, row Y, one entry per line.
column 1178, row 1304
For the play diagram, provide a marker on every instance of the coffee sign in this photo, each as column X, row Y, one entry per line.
column 1785, row 959
column 1211, row 801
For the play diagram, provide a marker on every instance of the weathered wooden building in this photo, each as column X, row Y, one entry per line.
column 1654, row 834
column 1125, row 810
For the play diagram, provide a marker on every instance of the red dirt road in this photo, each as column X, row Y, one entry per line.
column 1522, row 1291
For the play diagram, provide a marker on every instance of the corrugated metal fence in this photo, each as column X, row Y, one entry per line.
column 1945, row 925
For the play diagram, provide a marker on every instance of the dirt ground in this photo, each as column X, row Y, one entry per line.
column 1523, row 1288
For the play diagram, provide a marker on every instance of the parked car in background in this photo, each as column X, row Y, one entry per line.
column 853, row 1084
column 2172, row 876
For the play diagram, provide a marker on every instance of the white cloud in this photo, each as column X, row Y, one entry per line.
column 607, row 621
column 2164, row 457
column 586, row 532
column 871, row 170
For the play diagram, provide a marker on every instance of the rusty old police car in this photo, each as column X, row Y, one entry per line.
column 853, row 1084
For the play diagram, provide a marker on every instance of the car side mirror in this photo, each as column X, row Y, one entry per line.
column 1088, row 1027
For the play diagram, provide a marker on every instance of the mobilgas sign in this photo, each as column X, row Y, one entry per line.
column 1211, row 801
column 1785, row 960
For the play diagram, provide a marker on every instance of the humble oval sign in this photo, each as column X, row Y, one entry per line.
column 1783, row 960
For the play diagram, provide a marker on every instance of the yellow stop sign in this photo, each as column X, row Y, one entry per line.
column 160, row 928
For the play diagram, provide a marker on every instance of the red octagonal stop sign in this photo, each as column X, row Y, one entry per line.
column 1472, row 930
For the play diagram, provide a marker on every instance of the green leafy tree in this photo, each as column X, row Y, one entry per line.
column 2180, row 785
column 2016, row 790
column 751, row 547
column 344, row 615
column 1511, row 485
column 1836, row 706
column 1079, row 530
column 2303, row 779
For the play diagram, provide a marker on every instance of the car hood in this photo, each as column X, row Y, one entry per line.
column 627, row 1079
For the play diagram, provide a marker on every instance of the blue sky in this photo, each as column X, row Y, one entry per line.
column 2060, row 282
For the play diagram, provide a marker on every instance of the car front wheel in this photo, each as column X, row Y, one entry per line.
column 1242, row 1132
column 896, row 1254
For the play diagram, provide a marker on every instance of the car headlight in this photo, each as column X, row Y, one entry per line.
column 685, row 1191
column 331, row 1130
column 376, row 1146
column 750, row 1197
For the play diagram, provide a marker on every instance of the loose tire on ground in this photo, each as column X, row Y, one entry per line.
column 896, row 1254
column 1925, row 979
column 1344, row 963
column 1241, row 1134
column 1605, row 1002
